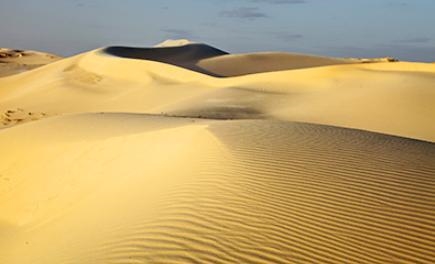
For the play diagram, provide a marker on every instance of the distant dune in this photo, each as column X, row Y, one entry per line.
column 16, row 61
column 186, row 56
column 209, row 60
column 174, row 43
column 184, row 153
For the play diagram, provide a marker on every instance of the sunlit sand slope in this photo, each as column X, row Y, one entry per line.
column 124, row 188
column 242, row 64
column 394, row 98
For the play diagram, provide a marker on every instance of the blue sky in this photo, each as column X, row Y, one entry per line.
column 358, row 28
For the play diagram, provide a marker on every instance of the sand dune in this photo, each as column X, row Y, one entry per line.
column 209, row 60
column 17, row 61
column 186, row 154
column 235, row 191
column 398, row 97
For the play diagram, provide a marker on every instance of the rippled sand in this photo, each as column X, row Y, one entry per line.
column 188, row 154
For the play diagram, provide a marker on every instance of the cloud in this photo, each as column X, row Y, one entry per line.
column 244, row 12
column 288, row 36
column 414, row 40
column 280, row 2
column 178, row 33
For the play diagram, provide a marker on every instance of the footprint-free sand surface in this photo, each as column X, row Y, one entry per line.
column 187, row 154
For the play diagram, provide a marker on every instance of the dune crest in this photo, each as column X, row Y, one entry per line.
column 211, row 61
column 174, row 43
column 186, row 56
column 242, row 64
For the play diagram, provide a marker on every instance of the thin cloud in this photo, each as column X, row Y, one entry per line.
column 244, row 13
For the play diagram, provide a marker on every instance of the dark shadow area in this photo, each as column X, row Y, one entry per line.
column 183, row 56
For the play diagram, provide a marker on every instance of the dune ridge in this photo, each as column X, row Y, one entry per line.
column 211, row 61
column 242, row 64
column 186, row 56
column 174, row 43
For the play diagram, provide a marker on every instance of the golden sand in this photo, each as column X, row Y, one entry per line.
column 140, row 159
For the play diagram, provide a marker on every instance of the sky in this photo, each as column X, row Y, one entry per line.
column 404, row 29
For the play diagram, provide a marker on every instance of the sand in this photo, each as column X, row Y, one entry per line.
column 13, row 61
column 186, row 154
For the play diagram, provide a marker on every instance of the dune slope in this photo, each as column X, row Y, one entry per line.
column 393, row 98
column 123, row 188
column 241, row 64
